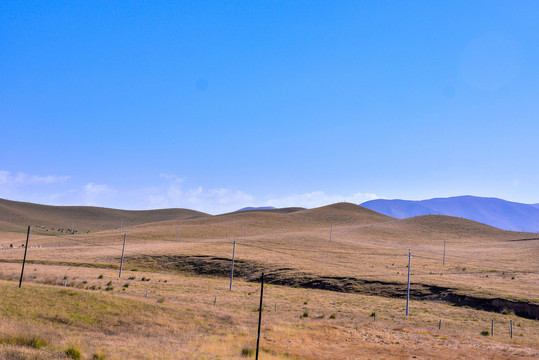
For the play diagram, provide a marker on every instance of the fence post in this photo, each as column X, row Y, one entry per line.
column 511, row 324
column 122, row 260
column 259, row 314
column 440, row 324
column 24, row 258
column 492, row 327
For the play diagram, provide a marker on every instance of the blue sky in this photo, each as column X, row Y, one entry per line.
column 220, row 105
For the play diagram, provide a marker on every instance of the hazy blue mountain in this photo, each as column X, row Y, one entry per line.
column 256, row 208
column 500, row 213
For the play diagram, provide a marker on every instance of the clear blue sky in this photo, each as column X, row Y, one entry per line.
column 219, row 105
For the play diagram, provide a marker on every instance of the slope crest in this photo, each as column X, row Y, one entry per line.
column 86, row 218
column 342, row 213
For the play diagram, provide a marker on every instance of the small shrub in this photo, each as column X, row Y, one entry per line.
column 485, row 333
column 305, row 303
column 85, row 282
column 109, row 288
column 507, row 312
column 126, row 285
column 373, row 314
column 100, row 276
column 161, row 300
column 332, row 316
column 109, row 283
column 97, row 356
column 305, row 314
column 73, row 353
column 131, row 278
column 247, row 352
column 65, row 277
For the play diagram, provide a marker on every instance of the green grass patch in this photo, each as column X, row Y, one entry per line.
column 73, row 353
column 32, row 341
column 247, row 352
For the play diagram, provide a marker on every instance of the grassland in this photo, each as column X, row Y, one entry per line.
column 164, row 307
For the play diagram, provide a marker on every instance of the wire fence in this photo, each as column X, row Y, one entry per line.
column 304, row 254
column 459, row 260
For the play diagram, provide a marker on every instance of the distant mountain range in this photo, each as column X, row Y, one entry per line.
column 500, row 213
column 256, row 208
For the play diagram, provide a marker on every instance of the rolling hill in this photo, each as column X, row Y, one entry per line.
column 176, row 282
column 85, row 218
column 499, row 213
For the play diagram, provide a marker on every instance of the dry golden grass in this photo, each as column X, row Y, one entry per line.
column 86, row 218
column 178, row 319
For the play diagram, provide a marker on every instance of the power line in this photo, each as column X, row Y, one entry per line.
column 285, row 252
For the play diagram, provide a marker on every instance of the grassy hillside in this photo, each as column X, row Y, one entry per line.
column 328, row 270
column 85, row 218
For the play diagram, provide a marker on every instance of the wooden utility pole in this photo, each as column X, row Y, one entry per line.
column 24, row 258
column 122, row 261
column 232, row 270
column 259, row 314
column 408, row 287
column 443, row 261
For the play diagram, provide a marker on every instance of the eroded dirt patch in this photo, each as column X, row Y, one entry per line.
column 251, row 270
